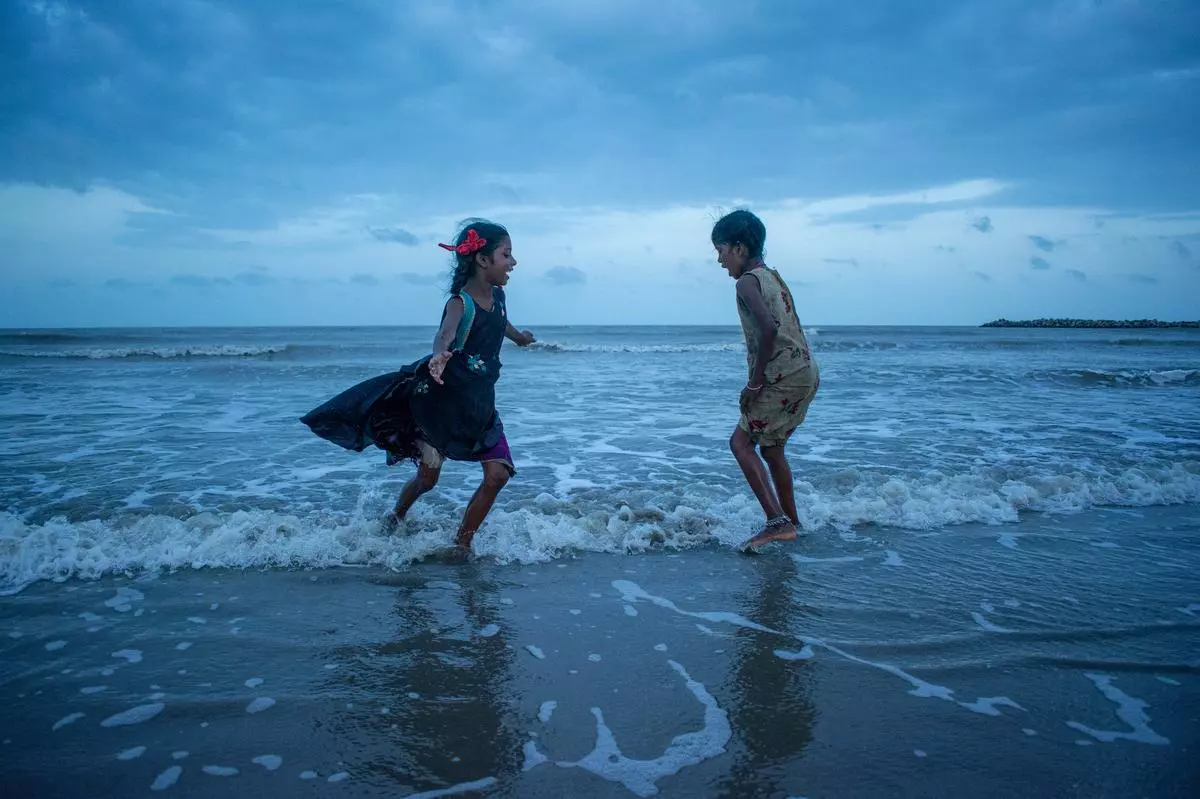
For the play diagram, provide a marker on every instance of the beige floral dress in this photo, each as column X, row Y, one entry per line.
column 792, row 376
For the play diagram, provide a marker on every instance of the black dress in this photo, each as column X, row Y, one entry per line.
column 458, row 418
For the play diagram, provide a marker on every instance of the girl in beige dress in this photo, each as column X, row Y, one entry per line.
column 782, row 375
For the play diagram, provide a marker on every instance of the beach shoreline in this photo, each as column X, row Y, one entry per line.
column 865, row 665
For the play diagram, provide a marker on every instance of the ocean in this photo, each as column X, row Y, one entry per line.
column 1001, row 536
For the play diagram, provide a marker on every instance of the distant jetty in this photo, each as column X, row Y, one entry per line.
column 1090, row 323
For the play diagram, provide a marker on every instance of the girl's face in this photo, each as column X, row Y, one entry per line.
column 496, row 269
column 734, row 258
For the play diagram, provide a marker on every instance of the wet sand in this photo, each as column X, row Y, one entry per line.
column 967, row 663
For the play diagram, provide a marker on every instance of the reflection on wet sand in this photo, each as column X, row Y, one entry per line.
column 447, row 717
column 769, row 695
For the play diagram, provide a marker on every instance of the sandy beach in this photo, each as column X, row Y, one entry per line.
column 865, row 666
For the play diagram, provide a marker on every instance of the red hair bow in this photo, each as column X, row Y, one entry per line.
column 472, row 244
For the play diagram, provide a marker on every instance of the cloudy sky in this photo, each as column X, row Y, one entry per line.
column 218, row 162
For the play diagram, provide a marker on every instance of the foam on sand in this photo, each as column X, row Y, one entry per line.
column 132, row 753
column 135, row 715
column 632, row 592
column 269, row 762
column 1130, row 710
column 65, row 720
column 988, row 706
column 123, row 601
column 166, row 779
column 260, row 704
column 454, row 790
column 533, row 758
column 640, row 776
column 987, row 625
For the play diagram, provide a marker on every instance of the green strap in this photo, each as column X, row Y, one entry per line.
column 468, row 319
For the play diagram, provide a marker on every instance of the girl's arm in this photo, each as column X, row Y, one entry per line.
column 750, row 293
column 522, row 338
column 445, row 338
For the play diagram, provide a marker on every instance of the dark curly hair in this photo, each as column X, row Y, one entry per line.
column 741, row 227
column 465, row 265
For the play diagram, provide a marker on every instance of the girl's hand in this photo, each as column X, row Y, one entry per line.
column 437, row 365
column 525, row 338
column 748, row 396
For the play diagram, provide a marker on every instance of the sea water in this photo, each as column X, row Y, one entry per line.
column 128, row 451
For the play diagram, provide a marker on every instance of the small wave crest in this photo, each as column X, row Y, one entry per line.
column 1190, row 343
column 1124, row 378
column 637, row 348
column 37, row 337
column 546, row 527
column 196, row 351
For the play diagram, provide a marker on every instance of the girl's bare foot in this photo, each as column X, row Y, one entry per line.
column 780, row 528
column 390, row 523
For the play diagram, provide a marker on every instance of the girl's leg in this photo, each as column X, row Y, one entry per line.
column 421, row 483
column 495, row 477
column 756, row 474
column 781, row 476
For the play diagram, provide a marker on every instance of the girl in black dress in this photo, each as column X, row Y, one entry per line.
column 444, row 405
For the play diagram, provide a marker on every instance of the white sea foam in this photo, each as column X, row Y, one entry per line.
column 122, row 602
column 639, row 349
column 132, row 753
column 135, row 715
column 260, row 704
column 66, row 720
column 987, row 625
column 786, row 654
column 167, row 778
column 546, row 528
column 190, row 351
column 533, row 758
column 688, row 749
column 454, row 790
column 632, row 592
column 1130, row 710
column 269, row 762
column 989, row 706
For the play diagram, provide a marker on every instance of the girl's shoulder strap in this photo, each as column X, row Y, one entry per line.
column 468, row 319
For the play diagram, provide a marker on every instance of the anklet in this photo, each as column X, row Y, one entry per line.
column 778, row 521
